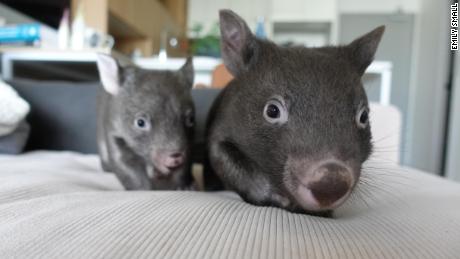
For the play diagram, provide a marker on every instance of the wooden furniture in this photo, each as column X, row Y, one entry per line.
column 220, row 77
column 137, row 24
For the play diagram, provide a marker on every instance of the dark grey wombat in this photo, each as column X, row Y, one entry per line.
column 292, row 129
column 145, row 124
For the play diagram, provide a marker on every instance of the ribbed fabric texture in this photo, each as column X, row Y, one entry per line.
column 62, row 206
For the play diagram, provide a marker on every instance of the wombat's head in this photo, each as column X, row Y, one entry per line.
column 153, row 112
column 302, row 113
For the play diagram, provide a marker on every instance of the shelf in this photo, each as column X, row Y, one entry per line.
column 298, row 19
column 11, row 55
column 135, row 24
column 203, row 66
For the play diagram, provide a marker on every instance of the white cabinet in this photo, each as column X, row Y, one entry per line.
column 206, row 12
column 305, row 22
column 378, row 6
column 304, row 10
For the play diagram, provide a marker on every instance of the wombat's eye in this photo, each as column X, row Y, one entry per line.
column 362, row 118
column 189, row 119
column 141, row 123
column 275, row 111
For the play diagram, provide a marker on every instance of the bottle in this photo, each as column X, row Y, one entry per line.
column 77, row 41
column 64, row 30
column 260, row 28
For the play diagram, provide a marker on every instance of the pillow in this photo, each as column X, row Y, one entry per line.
column 13, row 109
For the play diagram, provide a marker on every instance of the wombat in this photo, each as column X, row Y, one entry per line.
column 292, row 128
column 145, row 124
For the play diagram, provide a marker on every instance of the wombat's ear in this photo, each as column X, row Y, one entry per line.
column 186, row 73
column 236, row 42
column 362, row 50
column 108, row 72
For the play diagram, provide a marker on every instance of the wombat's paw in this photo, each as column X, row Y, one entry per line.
column 281, row 200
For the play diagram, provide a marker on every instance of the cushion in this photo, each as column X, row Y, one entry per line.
column 14, row 142
column 63, row 115
column 13, row 109
column 60, row 205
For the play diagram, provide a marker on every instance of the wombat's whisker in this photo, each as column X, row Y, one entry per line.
column 385, row 137
column 378, row 185
column 367, row 193
column 377, row 192
column 383, row 174
column 359, row 197
column 391, row 171
column 387, row 182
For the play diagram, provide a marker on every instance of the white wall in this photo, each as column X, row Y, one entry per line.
column 427, row 94
column 378, row 6
column 206, row 11
column 312, row 10
column 453, row 158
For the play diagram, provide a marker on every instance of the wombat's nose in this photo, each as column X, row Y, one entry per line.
column 332, row 182
column 167, row 161
column 173, row 160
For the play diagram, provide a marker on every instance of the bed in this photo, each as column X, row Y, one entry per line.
column 59, row 204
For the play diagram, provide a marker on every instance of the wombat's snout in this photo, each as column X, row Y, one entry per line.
column 173, row 159
column 168, row 161
column 324, row 186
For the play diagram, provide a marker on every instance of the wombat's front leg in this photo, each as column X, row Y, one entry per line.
column 239, row 173
column 129, row 167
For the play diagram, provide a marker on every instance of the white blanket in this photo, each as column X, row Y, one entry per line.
column 60, row 205
column 13, row 109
